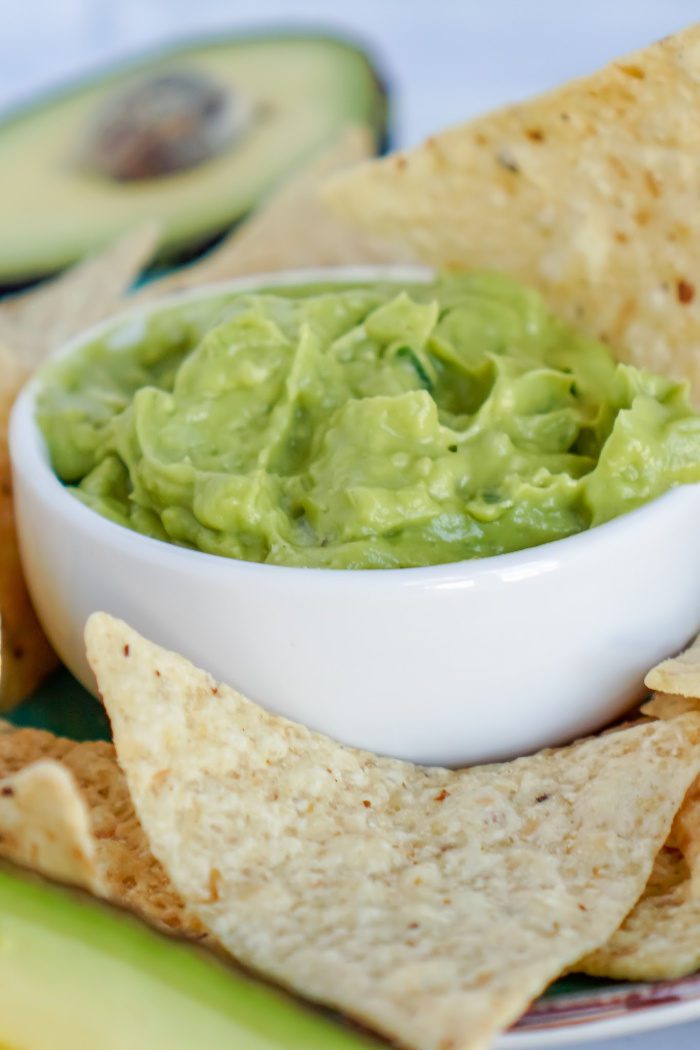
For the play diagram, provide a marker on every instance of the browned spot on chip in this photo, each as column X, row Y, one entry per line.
column 685, row 291
column 214, row 883
column 7, row 792
column 366, row 803
column 126, row 650
column 535, row 134
column 442, row 795
column 653, row 184
column 160, row 777
column 632, row 71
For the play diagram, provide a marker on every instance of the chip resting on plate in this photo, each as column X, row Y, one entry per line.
column 432, row 905
column 588, row 193
column 65, row 810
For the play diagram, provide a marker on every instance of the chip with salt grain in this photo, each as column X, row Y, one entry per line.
column 430, row 904
column 680, row 675
column 292, row 229
column 92, row 812
column 588, row 193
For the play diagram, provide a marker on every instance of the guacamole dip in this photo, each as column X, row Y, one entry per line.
column 363, row 426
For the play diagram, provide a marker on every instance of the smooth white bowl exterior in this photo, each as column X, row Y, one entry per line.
column 451, row 665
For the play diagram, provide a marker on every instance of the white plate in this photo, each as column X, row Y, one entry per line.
column 604, row 1011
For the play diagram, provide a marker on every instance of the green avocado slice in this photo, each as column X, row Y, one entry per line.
column 79, row 973
column 192, row 138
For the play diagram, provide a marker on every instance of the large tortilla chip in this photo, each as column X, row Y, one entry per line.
column 293, row 229
column 680, row 675
column 93, row 812
column 36, row 322
column 588, row 193
column 25, row 654
column 45, row 825
column 433, row 905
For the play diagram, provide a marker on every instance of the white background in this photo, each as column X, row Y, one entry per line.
column 445, row 60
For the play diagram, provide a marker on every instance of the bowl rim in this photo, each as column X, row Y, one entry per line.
column 29, row 457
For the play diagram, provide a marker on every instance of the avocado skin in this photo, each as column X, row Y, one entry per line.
column 123, row 984
column 173, row 252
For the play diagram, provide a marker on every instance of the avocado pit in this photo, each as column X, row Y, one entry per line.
column 163, row 124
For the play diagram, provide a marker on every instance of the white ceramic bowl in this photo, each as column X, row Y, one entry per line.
column 452, row 664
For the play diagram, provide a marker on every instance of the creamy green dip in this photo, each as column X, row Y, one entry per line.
column 363, row 426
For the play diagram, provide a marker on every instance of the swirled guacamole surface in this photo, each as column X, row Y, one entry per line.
column 363, row 426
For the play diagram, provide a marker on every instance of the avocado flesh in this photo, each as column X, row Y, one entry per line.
column 304, row 91
column 78, row 973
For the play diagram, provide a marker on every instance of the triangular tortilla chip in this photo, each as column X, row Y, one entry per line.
column 32, row 325
column 660, row 938
column 292, row 229
column 90, row 811
column 26, row 656
column 680, row 675
column 430, row 904
column 35, row 323
column 588, row 193
column 45, row 825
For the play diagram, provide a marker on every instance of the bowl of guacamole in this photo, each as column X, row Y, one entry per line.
column 382, row 425
column 417, row 512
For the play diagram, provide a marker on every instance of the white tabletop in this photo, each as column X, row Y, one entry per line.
column 445, row 59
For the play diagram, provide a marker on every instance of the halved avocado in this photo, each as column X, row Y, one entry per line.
column 76, row 973
column 192, row 137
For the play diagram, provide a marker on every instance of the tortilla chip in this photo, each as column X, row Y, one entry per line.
column 293, row 229
column 25, row 655
column 36, row 322
column 33, row 325
column 588, row 193
column 660, row 939
column 45, row 825
column 430, row 904
column 680, row 675
column 663, row 705
column 123, row 867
